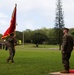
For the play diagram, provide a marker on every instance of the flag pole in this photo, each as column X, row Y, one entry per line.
column 16, row 22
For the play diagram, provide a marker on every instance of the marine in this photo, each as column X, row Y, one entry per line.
column 11, row 42
column 67, row 47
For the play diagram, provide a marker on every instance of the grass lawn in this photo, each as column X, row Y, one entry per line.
column 32, row 62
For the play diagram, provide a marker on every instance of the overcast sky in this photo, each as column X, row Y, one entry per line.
column 34, row 14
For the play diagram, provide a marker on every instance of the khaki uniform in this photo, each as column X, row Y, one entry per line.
column 11, row 46
column 67, row 47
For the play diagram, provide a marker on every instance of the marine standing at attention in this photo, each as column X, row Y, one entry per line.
column 67, row 47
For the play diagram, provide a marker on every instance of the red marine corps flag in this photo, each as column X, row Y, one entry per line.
column 12, row 26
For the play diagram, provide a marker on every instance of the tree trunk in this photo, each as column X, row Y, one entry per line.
column 36, row 45
column 59, row 46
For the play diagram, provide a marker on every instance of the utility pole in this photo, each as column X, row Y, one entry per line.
column 59, row 23
column 23, row 38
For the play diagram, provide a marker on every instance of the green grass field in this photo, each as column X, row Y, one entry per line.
column 32, row 61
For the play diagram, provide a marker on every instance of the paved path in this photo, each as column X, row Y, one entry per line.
column 43, row 48
column 58, row 73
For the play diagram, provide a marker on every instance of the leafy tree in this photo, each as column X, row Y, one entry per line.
column 19, row 35
column 27, row 35
column 72, row 32
column 51, row 36
column 0, row 36
column 59, row 23
column 38, row 38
